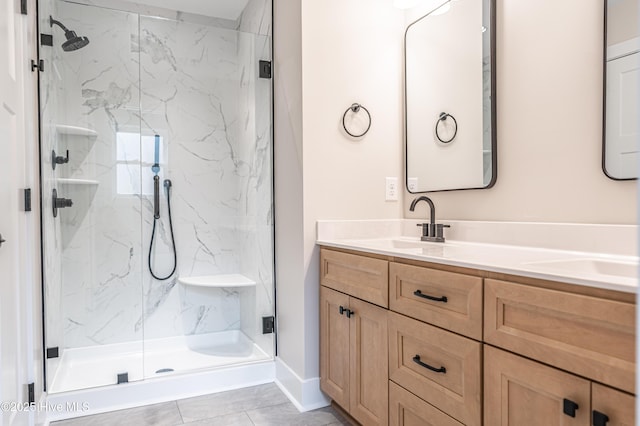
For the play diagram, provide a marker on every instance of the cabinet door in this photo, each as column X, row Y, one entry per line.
column 369, row 364
column 334, row 346
column 611, row 407
column 520, row 392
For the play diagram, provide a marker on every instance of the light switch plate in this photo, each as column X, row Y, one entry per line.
column 391, row 189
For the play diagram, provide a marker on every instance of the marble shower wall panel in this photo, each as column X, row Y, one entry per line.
column 189, row 96
column 101, row 234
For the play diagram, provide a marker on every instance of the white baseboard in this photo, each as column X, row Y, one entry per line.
column 305, row 394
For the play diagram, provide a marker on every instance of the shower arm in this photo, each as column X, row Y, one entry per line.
column 58, row 23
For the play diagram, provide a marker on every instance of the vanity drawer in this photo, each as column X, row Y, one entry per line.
column 462, row 311
column 406, row 409
column 359, row 276
column 589, row 336
column 457, row 390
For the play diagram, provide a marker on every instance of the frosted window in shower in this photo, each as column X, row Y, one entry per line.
column 129, row 165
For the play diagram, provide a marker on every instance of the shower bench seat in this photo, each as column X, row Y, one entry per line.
column 222, row 280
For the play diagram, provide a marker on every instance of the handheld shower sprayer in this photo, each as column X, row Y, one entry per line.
column 156, row 211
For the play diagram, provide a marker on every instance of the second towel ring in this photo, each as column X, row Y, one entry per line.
column 443, row 117
column 355, row 108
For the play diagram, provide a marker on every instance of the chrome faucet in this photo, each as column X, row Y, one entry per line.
column 431, row 231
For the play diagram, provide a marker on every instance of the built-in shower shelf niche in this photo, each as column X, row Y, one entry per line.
column 64, row 129
column 68, row 181
column 216, row 281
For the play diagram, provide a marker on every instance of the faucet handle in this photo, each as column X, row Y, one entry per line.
column 440, row 230
column 425, row 229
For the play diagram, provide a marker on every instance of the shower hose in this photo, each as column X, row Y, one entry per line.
column 167, row 185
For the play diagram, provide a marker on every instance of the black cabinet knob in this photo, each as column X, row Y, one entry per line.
column 569, row 407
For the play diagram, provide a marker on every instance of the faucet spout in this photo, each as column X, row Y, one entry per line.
column 432, row 208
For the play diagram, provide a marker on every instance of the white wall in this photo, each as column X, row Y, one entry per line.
column 549, row 122
column 350, row 51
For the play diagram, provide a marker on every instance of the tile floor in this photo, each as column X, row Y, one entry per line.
column 263, row 405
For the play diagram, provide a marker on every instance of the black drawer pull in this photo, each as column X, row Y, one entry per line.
column 569, row 407
column 342, row 310
column 599, row 419
column 426, row 296
column 416, row 359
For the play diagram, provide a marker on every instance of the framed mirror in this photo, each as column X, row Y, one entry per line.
column 450, row 97
column 621, row 132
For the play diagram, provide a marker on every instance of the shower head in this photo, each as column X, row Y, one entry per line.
column 74, row 42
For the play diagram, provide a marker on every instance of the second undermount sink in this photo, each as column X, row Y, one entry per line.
column 590, row 266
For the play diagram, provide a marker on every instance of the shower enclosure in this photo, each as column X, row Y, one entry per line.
column 134, row 87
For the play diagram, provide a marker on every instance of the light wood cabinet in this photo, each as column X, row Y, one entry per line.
column 447, row 299
column 406, row 409
column 521, row 392
column 589, row 336
column 359, row 276
column 610, row 407
column 525, row 352
column 353, row 356
column 442, row 368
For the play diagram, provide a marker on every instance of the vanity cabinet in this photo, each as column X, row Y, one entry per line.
column 440, row 367
column 353, row 355
column 592, row 337
column 446, row 299
column 461, row 346
column 519, row 391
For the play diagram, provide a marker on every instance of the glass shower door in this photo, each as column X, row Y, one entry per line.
column 201, row 93
column 90, row 147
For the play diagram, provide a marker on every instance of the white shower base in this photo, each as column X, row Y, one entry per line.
column 96, row 366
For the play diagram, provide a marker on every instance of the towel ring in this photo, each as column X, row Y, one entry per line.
column 443, row 117
column 355, row 108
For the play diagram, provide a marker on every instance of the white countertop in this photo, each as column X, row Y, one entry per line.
column 590, row 268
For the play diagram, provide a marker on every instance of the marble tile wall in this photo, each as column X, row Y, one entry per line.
column 196, row 86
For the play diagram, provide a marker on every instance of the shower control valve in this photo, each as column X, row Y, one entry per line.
column 59, row 203
column 58, row 159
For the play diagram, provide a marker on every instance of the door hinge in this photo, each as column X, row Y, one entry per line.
column 268, row 325
column 37, row 66
column 122, row 378
column 27, row 199
column 46, row 39
column 23, row 7
column 31, row 393
column 265, row 69
column 52, row 352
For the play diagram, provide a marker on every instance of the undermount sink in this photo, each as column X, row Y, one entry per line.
column 590, row 266
column 399, row 243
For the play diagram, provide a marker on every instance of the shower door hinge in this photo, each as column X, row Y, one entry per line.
column 31, row 393
column 52, row 352
column 46, row 39
column 268, row 324
column 23, row 7
column 27, row 199
column 37, row 66
column 265, row 69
